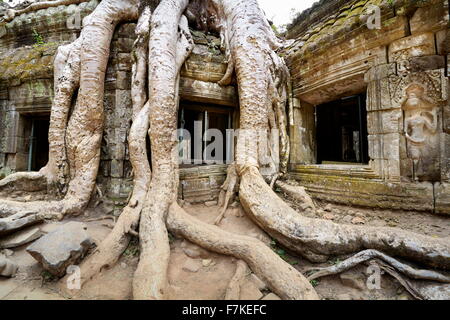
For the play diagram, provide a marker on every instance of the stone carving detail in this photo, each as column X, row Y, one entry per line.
column 421, row 132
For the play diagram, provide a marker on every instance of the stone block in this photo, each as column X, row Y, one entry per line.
column 123, row 80
column 391, row 121
column 20, row 238
column 427, row 63
column 116, row 168
column 430, row 18
column 61, row 248
column 381, row 71
column 375, row 147
column 442, row 200
column 442, row 42
column 412, row 46
column 391, row 146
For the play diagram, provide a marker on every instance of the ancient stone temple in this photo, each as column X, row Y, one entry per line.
column 369, row 113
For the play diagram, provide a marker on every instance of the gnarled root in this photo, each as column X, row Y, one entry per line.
column 227, row 192
column 281, row 277
column 368, row 255
column 169, row 31
column 84, row 131
column 234, row 287
column 19, row 221
column 110, row 250
column 23, row 181
column 297, row 193
column 317, row 239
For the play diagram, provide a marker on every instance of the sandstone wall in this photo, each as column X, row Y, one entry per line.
column 336, row 55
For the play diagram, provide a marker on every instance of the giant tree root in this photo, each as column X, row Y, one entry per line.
column 84, row 130
column 169, row 30
column 318, row 239
column 281, row 277
column 110, row 250
column 367, row 255
column 24, row 182
column 19, row 221
column 297, row 193
column 234, row 287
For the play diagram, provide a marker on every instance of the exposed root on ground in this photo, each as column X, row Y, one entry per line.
column 11, row 13
column 317, row 239
column 234, row 287
column 169, row 30
column 227, row 192
column 368, row 255
column 281, row 277
column 19, row 221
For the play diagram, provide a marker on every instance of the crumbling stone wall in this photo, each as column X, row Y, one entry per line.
column 402, row 66
column 26, row 89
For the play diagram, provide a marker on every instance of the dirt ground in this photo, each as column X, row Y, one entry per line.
column 196, row 274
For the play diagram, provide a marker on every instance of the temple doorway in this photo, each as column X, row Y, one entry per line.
column 341, row 128
column 38, row 146
column 205, row 134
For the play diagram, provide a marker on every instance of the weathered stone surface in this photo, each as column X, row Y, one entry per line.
column 353, row 281
column 249, row 291
column 366, row 192
column 192, row 265
column 193, row 251
column 7, row 267
column 442, row 191
column 61, row 248
column 413, row 46
column 427, row 63
column 430, row 18
column 271, row 296
column 20, row 238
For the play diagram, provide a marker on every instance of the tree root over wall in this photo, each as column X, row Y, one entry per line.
column 163, row 44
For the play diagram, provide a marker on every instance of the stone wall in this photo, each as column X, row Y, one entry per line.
column 26, row 89
column 402, row 66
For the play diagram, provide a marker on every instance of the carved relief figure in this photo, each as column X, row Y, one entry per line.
column 421, row 126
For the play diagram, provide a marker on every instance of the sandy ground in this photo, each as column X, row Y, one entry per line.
column 196, row 274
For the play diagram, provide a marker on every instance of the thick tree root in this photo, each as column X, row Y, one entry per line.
column 110, row 250
column 16, row 222
column 234, row 287
column 227, row 192
column 367, row 255
column 281, row 277
column 318, row 239
column 11, row 14
column 169, row 31
column 297, row 193
column 84, row 131
column 24, row 182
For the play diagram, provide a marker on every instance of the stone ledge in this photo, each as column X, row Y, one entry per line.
column 374, row 193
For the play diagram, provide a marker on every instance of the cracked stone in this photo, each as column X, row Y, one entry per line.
column 61, row 248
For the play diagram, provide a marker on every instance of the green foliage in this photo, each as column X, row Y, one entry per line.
column 315, row 283
column 282, row 253
column 47, row 276
column 4, row 172
column 133, row 249
column 38, row 39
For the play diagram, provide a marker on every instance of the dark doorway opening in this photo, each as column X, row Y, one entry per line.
column 197, row 119
column 38, row 146
column 342, row 131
